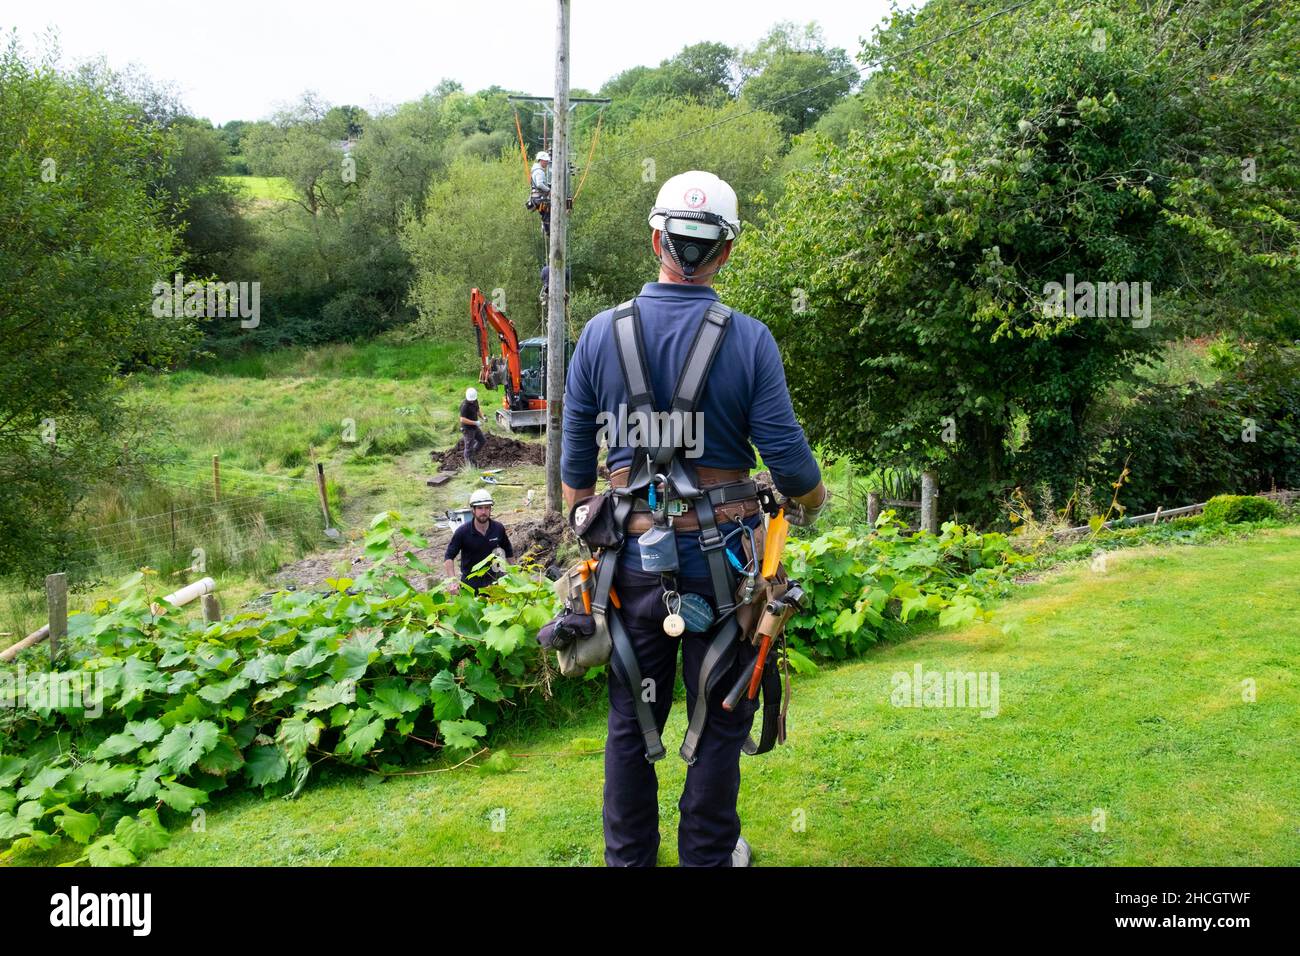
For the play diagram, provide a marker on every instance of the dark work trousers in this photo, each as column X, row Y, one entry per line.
column 709, row 825
column 474, row 440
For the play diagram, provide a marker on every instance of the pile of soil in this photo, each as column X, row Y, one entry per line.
column 498, row 452
column 539, row 536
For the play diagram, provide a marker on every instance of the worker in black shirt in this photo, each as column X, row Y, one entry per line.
column 471, row 427
column 474, row 541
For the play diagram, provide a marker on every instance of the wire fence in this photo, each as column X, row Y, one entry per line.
column 197, row 517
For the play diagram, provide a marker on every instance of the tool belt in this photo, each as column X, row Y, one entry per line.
column 744, row 605
column 734, row 497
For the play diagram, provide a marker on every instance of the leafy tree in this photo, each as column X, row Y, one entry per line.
column 473, row 230
column 83, row 243
column 904, row 272
column 610, row 238
column 789, row 60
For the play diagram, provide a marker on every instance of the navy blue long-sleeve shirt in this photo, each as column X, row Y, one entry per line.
column 744, row 405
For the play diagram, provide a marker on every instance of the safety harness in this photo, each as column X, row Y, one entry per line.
column 664, row 463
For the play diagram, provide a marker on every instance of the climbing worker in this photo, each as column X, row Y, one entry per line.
column 540, row 198
column 471, row 427
column 675, row 345
column 473, row 541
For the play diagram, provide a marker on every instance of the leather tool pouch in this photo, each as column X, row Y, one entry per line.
column 579, row 642
column 592, row 520
column 749, row 613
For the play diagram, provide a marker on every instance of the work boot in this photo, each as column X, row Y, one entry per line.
column 742, row 854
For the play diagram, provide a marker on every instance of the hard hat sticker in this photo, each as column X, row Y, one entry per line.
column 694, row 198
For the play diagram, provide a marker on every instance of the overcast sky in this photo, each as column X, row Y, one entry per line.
column 238, row 59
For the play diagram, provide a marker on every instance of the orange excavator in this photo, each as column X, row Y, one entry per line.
column 521, row 367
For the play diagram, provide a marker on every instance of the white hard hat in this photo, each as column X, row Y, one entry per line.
column 471, row 394
column 543, row 157
column 696, row 204
column 480, row 497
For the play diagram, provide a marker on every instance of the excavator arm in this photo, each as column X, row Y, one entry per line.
column 485, row 315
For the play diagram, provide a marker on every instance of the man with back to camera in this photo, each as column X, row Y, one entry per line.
column 743, row 399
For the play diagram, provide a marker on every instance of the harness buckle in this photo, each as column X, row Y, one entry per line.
column 711, row 539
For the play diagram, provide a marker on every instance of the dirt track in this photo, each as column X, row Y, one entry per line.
column 537, row 534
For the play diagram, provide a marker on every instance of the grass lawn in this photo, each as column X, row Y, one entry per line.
column 1119, row 692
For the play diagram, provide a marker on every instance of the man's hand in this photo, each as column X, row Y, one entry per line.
column 453, row 586
column 803, row 511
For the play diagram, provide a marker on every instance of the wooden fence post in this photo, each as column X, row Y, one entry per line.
column 873, row 507
column 216, row 477
column 211, row 608
column 929, row 503
column 330, row 530
column 56, row 597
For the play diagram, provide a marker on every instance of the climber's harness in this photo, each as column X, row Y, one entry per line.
column 662, row 483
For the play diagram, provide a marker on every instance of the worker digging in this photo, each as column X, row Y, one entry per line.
column 471, row 427
column 682, row 552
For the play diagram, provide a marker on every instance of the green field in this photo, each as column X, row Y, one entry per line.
column 371, row 413
column 1119, row 692
column 273, row 188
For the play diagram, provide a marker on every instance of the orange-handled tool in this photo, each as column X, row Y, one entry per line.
column 778, row 529
column 585, row 572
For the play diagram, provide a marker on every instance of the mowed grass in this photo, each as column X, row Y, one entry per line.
column 1120, row 693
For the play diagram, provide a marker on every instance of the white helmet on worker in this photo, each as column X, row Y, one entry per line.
column 696, row 204
column 697, row 215
column 471, row 394
column 543, row 157
column 480, row 497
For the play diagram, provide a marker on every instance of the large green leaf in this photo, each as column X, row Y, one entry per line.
column 47, row 778
column 142, row 833
column 116, row 746
column 107, row 779
column 296, row 735
column 186, row 743
column 361, row 735
column 80, row 826
column 505, row 640
column 145, row 731
column 480, row 681
column 330, row 695
column 222, row 759
column 266, row 765
column 14, row 825
column 11, row 768
column 394, row 699
column 180, row 797
column 461, row 734
column 106, row 851
column 220, row 691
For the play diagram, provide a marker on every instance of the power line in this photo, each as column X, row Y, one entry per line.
column 878, row 61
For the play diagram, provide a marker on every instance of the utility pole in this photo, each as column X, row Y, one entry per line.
column 557, row 332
